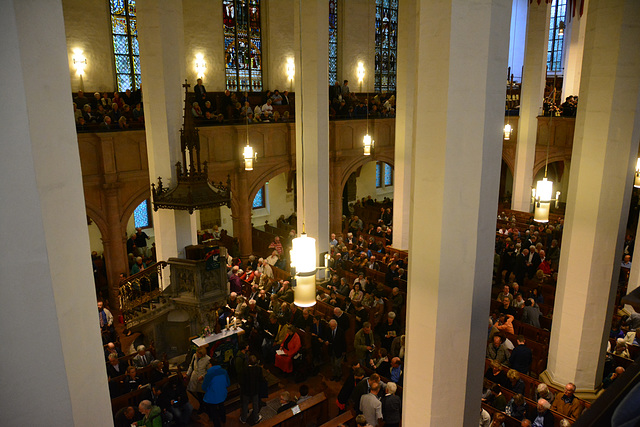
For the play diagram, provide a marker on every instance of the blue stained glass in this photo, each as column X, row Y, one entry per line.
column 122, row 64
column 125, row 43
column 141, row 215
column 124, row 82
column 388, row 175
column 386, row 39
column 258, row 201
column 378, row 176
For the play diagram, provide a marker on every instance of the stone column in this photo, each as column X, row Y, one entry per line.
column 460, row 58
column 51, row 345
column 244, row 227
column 405, row 117
column 574, row 47
column 161, row 38
column 312, row 120
column 115, row 244
column 335, row 198
column 533, row 82
column 605, row 149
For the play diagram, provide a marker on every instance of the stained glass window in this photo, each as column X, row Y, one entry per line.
column 333, row 42
column 141, row 215
column 242, row 45
column 556, row 42
column 386, row 45
column 388, row 175
column 125, row 44
column 259, row 201
column 378, row 175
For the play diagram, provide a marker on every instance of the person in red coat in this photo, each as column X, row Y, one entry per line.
column 289, row 347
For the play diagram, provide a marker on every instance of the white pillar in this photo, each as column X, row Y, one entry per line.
column 53, row 365
column 161, row 38
column 533, row 82
column 461, row 60
column 405, row 119
column 312, row 120
column 574, row 47
column 605, row 149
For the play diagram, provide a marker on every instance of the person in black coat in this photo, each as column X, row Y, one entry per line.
column 250, row 388
column 335, row 339
column 391, row 407
column 521, row 356
column 356, row 375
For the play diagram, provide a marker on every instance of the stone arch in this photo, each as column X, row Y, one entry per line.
column 552, row 159
column 132, row 203
column 359, row 162
column 96, row 216
column 260, row 180
column 508, row 160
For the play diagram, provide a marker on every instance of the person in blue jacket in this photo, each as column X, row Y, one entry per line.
column 215, row 385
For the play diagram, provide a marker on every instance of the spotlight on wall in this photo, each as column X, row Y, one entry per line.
column 291, row 69
column 79, row 61
column 360, row 72
column 200, row 65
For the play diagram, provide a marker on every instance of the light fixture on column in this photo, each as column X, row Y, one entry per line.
column 561, row 28
column 360, row 73
column 636, row 182
column 79, row 63
column 291, row 69
column 200, row 65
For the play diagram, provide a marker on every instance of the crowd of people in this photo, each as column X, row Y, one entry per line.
column 119, row 111
column 344, row 104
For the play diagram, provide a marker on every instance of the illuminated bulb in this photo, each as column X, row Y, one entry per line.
column 291, row 68
column 368, row 144
column 507, row 132
column 360, row 72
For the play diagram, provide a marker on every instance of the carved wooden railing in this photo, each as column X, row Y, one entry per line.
column 142, row 287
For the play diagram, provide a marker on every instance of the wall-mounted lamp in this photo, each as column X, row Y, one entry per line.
column 201, row 65
column 79, row 61
column 360, row 72
column 291, row 69
column 249, row 156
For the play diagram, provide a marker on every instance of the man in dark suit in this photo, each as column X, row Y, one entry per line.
column 201, row 92
column 337, row 343
column 533, row 262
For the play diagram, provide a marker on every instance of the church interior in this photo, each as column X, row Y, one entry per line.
column 451, row 188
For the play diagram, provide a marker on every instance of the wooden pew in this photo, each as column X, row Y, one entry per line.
column 346, row 418
column 508, row 422
column 133, row 398
column 312, row 412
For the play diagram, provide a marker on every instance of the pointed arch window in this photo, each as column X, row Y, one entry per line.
column 386, row 45
column 126, row 53
column 242, row 45
column 556, row 39
column 333, row 42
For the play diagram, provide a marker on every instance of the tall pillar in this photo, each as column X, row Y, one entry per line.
column 162, row 62
column 574, row 47
column 115, row 243
column 461, row 58
column 605, row 148
column 312, row 120
column 533, row 82
column 53, row 364
column 335, row 198
column 244, row 227
column 405, row 118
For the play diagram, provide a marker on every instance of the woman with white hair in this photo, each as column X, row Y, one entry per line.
column 391, row 406
column 196, row 372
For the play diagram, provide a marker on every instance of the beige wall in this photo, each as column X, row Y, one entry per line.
column 356, row 42
column 87, row 27
column 279, row 202
column 278, row 42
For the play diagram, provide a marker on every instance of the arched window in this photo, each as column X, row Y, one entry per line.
column 142, row 215
column 556, row 36
column 126, row 53
column 260, row 200
column 242, row 45
column 333, row 42
column 386, row 45
column 384, row 175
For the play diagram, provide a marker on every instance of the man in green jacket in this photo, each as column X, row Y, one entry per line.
column 364, row 344
column 152, row 415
